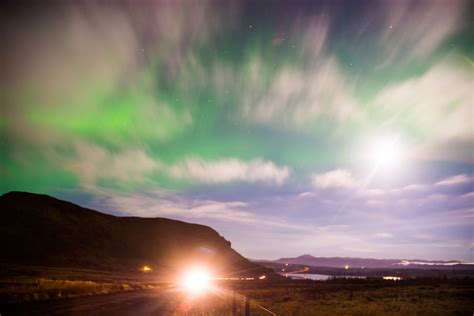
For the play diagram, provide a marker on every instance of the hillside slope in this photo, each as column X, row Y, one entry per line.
column 41, row 230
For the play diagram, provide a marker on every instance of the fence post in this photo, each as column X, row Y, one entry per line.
column 247, row 306
column 234, row 305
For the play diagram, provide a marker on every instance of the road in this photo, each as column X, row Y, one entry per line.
column 170, row 301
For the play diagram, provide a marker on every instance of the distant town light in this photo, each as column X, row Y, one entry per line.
column 262, row 277
column 146, row 268
column 346, row 267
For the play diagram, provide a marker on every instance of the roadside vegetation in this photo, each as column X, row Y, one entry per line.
column 29, row 284
column 364, row 297
column 283, row 297
column 40, row 289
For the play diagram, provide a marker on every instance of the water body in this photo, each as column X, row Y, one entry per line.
column 319, row 277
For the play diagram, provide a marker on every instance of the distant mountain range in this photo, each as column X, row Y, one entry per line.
column 340, row 262
column 42, row 230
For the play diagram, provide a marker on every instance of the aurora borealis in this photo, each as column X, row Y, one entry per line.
column 253, row 117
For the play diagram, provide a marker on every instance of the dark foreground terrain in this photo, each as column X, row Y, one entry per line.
column 55, row 291
column 28, row 290
column 284, row 298
column 365, row 297
column 167, row 300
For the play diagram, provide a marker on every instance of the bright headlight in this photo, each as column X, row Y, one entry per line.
column 196, row 280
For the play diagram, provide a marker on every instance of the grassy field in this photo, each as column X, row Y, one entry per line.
column 39, row 289
column 30, row 283
column 364, row 297
column 286, row 297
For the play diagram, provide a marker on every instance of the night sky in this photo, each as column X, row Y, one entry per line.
column 338, row 128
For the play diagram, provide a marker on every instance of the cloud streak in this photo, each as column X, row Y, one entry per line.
column 333, row 179
column 168, row 204
column 412, row 30
column 92, row 163
column 228, row 170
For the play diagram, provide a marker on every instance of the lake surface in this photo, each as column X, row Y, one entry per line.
column 319, row 277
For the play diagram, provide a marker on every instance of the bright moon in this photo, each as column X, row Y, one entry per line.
column 386, row 153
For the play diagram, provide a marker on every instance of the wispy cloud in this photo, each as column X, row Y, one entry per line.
column 298, row 96
column 455, row 180
column 383, row 235
column 173, row 205
column 333, row 179
column 414, row 30
column 228, row 170
column 92, row 163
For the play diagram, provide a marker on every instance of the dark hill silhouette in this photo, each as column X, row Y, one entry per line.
column 42, row 230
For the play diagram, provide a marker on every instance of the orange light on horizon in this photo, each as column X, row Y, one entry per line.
column 262, row 277
column 146, row 268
